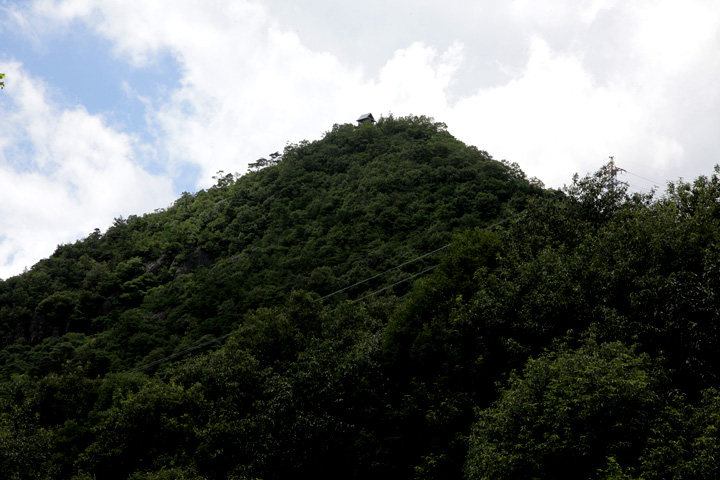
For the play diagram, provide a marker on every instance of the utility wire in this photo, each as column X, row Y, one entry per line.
column 394, row 284
column 639, row 187
column 383, row 273
column 177, row 354
column 404, row 264
column 647, row 179
column 182, row 352
column 411, row 276
column 214, row 340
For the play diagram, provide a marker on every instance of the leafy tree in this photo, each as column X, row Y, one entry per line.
column 168, row 474
column 567, row 414
column 685, row 441
column 352, row 309
column 24, row 450
column 154, row 427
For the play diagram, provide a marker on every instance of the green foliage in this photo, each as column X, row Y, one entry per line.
column 686, row 442
column 150, row 428
column 613, row 471
column 352, row 308
column 168, row 474
column 24, row 452
column 318, row 217
column 566, row 415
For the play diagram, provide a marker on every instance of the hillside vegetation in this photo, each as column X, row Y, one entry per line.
column 384, row 302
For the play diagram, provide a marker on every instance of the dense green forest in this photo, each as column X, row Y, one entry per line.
column 386, row 302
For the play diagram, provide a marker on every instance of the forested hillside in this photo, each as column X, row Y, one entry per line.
column 317, row 218
column 384, row 302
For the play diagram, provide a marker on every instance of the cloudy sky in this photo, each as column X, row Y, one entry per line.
column 115, row 107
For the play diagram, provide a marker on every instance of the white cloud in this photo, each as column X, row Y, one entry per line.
column 63, row 173
column 555, row 118
column 670, row 36
column 416, row 79
column 555, row 88
column 247, row 86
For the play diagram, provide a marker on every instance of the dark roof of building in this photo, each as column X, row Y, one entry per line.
column 367, row 116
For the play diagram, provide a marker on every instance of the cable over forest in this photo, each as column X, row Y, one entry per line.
column 383, row 302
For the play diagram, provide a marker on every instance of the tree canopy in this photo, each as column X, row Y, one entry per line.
column 385, row 301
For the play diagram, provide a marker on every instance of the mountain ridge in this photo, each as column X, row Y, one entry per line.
column 351, row 199
column 492, row 329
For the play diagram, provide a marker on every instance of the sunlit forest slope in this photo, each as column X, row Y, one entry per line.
column 384, row 302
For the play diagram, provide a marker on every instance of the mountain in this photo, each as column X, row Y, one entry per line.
column 324, row 215
column 360, row 205
column 384, row 302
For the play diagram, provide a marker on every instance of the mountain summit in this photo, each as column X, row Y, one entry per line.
column 385, row 302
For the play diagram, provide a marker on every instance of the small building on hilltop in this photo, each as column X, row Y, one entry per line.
column 368, row 117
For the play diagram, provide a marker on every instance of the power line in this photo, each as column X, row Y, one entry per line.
column 394, row 284
column 383, row 273
column 177, row 354
column 646, row 179
column 403, row 264
column 411, row 276
column 639, row 187
column 214, row 340
column 612, row 170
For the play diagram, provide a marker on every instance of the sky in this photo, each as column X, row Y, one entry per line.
column 114, row 108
